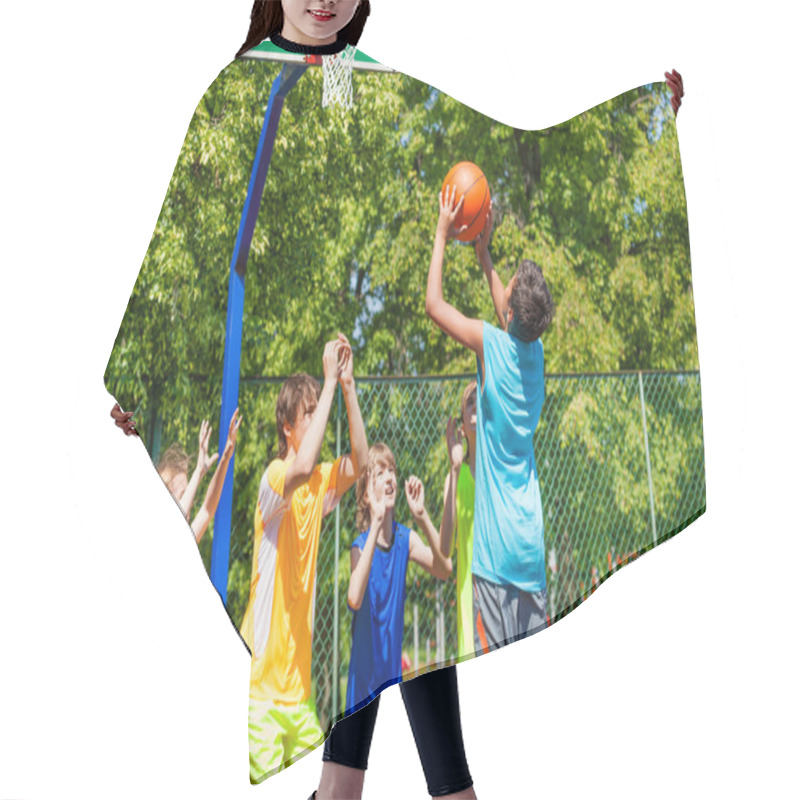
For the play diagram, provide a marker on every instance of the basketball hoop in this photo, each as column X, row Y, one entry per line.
column 337, row 78
column 337, row 69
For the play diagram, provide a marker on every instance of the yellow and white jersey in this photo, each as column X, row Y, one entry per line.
column 279, row 619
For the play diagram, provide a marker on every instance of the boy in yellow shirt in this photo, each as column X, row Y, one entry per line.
column 295, row 494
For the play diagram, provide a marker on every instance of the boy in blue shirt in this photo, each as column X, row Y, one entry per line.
column 378, row 563
column 509, row 583
column 376, row 595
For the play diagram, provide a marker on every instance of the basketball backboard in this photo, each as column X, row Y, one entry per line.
column 268, row 51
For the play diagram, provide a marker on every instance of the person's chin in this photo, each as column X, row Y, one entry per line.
column 319, row 30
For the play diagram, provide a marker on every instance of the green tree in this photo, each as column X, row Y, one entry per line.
column 343, row 242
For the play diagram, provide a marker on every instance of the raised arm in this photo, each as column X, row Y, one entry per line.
column 361, row 561
column 430, row 558
column 214, row 492
column 203, row 463
column 300, row 469
column 352, row 464
column 455, row 450
column 464, row 330
column 496, row 288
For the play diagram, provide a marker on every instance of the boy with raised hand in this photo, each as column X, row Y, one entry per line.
column 379, row 560
column 509, row 585
column 204, row 463
column 295, row 494
column 206, row 513
column 173, row 467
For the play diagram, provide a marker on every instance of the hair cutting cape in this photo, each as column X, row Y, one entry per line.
column 343, row 242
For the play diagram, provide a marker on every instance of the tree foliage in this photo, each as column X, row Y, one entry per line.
column 345, row 232
column 343, row 243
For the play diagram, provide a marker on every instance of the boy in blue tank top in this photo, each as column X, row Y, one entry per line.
column 508, row 572
column 378, row 561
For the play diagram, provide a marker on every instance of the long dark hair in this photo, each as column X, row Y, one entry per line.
column 266, row 18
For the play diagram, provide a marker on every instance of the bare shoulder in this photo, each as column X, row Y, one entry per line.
column 415, row 542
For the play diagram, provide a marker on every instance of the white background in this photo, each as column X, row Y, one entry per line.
column 120, row 674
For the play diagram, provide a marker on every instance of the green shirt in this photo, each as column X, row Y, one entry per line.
column 465, row 514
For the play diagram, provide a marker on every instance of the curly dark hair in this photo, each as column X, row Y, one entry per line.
column 266, row 18
column 298, row 392
column 531, row 303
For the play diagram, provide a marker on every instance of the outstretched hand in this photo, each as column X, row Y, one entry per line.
column 345, row 361
column 448, row 212
column 233, row 430
column 482, row 240
column 376, row 500
column 415, row 495
column 331, row 359
column 203, row 459
column 675, row 83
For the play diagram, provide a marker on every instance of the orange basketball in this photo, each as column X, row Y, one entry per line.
column 470, row 182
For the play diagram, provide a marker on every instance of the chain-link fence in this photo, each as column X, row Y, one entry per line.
column 621, row 467
column 620, row 462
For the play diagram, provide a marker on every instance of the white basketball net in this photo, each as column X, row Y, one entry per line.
column 337, row 77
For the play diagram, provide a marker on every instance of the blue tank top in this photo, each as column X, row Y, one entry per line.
column 377, row 650
column 508, row 535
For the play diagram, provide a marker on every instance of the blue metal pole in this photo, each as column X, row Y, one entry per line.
column 281, row 86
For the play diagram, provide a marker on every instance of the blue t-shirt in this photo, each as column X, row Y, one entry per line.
column 377, row 651
column 508, row 535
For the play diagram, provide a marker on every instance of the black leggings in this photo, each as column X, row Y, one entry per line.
column 432, row 706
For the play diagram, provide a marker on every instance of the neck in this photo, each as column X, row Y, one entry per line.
column 385, row 532
column 471, row 440
column 319, row 47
